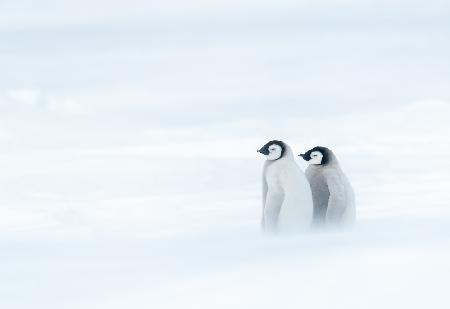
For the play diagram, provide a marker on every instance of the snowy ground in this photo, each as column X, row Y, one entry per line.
column 129, row 176
column 148, row 226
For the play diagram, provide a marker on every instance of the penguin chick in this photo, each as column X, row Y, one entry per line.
column 287, row 200
column 333, row 196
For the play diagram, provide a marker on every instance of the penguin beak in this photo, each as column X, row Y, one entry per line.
column 263, row 151
column 302, row 155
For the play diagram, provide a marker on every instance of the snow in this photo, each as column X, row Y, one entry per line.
column 129, row 176
column 139, row 226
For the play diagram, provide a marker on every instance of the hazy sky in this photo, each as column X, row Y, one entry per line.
column 183, row 63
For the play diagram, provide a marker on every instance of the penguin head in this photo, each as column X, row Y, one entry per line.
column 317, row 156
column 273, row 150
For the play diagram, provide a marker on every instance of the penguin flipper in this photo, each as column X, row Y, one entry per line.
column 272, row 209
column 264, row 198
column 337, row 203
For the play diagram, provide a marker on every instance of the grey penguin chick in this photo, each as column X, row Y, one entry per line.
column 287, row 198
column 333, row 195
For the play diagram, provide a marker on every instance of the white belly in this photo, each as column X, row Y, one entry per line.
column 291, row 189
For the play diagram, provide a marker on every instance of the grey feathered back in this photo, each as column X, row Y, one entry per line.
column 333, row 196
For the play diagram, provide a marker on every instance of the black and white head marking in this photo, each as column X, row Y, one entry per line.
column 273, row 150
column 318, row 155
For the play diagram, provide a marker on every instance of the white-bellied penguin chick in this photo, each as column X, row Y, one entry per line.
column 287, row 199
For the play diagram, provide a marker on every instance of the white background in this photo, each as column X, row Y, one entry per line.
column 129, row 176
